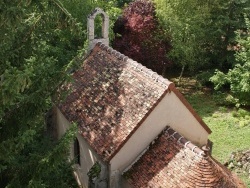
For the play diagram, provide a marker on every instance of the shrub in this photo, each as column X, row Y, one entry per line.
column 239, row 76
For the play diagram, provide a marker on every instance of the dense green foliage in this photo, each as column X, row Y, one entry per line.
column 38, row 40
column 202, row 31
column 203, row 36
column 185, row 22
column 40, row 43
column 238, row 78
column 227, row 17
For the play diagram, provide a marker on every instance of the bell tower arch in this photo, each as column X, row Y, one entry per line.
column 91, row 28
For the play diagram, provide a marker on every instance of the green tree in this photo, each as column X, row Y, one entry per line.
column 38, row 41
column 202, row 31
column 41, row 42
column 238, row 78
column 226, row 18
column 185, row 22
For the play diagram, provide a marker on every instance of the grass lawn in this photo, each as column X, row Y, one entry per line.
column 230, row 126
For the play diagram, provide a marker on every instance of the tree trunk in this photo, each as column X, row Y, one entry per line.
column 182, row 70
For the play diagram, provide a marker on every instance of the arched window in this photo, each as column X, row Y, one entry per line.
column 77, row 154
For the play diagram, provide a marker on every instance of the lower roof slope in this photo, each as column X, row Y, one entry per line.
column 172, row 161
column 110, row 97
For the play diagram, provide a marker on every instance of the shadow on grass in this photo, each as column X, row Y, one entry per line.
column 200, row 98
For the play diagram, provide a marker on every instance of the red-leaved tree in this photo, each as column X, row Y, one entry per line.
column 139, row 36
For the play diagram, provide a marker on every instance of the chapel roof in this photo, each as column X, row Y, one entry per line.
column 172, row 161
column 110, row 97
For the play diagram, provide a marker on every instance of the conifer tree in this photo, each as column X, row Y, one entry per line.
column 41, row 43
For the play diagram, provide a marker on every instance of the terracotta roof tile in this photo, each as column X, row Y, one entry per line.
column 168, row 163
column 111, row 94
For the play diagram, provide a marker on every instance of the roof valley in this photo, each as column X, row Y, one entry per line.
column 177, row 163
